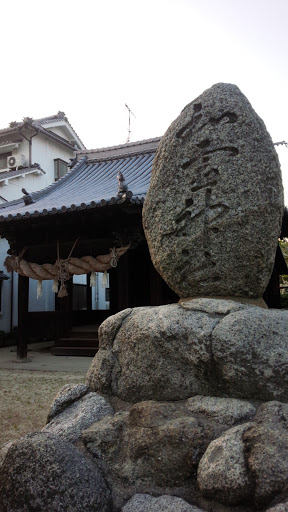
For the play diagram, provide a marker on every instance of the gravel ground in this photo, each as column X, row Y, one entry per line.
column 25, row 398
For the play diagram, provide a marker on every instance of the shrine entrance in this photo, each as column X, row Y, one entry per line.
column 132, row 282
column 78, row 227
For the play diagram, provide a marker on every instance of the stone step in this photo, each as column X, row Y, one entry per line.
column 77, row 342
column 83, row 334
column 74, row 351
column 80, row 341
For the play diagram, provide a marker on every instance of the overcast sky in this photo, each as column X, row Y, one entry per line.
column 89, row 58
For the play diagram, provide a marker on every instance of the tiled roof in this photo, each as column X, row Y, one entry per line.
column 9, row 129
column 92, row 182
column 40, row 123
column 121, row 150
column 60, row 116
column 57, row 117
column 20, row 172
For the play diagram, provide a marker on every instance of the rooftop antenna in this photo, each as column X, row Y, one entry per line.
column 129, row 126
column 282, row 143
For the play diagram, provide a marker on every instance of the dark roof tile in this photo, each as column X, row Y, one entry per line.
column 92, row 182
column 21, row 171
column 146, row 146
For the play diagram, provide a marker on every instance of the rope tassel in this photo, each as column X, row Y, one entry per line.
column 55, row 286
column 63, row 290
column 39, row 289
column 114, row 259
column 93, row 279
column 105, row 279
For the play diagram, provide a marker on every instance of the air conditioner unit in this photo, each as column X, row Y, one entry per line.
column 15, row 161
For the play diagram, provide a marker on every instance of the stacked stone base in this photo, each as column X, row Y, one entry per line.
column 185, row 409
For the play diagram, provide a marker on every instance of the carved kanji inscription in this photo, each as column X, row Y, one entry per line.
column 214, row 207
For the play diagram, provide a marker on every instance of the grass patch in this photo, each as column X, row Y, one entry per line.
column 26, row 397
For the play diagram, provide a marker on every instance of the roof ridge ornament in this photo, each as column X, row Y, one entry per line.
column 27, row 120
column 27, row 198
column 122, row 186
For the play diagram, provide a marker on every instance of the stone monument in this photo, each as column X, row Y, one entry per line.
column 215, row 201
column 185, row 408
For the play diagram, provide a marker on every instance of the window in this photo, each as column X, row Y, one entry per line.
column 3, row 159
column 60, row 168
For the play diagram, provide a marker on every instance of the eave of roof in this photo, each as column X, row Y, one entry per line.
column 34, row 169
column 92, row 183
column 58, row 117
column 38, row 124
column 55, row 137
column 130, row 148
column 8, row 143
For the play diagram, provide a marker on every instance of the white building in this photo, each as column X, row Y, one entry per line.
column 33, row 154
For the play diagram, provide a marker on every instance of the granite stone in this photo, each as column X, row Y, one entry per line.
column 215, row 196
column 42, row 472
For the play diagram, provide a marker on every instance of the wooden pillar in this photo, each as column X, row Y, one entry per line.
column 64, row 306
column 119, row 286
column 68, row 306
column 123, row 282
column 138, row 277
column 23, row 298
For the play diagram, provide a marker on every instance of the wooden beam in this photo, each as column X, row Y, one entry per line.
column 96, row 228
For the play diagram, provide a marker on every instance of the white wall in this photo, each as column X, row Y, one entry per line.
column 13, row 190
column 47, row 300
column 44, row 151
